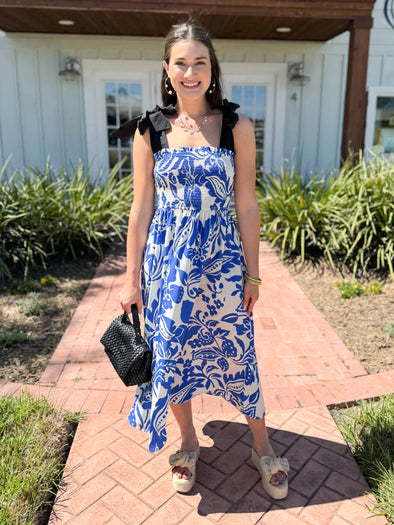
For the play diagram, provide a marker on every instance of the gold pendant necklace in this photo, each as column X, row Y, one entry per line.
column 191, row 130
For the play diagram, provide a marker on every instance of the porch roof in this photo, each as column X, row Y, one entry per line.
column 314, row 20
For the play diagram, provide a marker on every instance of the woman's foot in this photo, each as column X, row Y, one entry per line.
column 184, row 465
column 273, row 470
column 189, row 444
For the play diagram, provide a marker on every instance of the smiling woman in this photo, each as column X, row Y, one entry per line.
column 186, row 267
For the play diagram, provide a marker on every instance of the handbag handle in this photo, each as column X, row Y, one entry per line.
column 136, row 320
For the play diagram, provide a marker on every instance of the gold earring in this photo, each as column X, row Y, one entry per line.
column 168, row 88
column 212, row 88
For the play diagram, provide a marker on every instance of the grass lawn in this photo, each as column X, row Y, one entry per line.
column 369, row 431
column 35, row 438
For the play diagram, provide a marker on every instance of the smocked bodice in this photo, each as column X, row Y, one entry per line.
column 194, row 178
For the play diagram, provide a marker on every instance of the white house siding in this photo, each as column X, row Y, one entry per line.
column 41, row 114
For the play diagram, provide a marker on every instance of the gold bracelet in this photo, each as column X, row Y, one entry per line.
column 252, row 280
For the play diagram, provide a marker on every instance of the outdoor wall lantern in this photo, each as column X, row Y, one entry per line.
column 296, row 74
column 72, row 70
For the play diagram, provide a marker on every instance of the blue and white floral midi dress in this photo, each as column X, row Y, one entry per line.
column 192, row 282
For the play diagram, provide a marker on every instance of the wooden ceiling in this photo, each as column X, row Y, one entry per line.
column 314, row 20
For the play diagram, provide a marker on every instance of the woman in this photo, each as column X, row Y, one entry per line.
column 185, row 264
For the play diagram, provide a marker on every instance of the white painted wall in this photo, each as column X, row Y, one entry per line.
column 41, row 114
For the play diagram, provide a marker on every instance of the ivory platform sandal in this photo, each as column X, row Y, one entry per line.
column 188, row 460
column 267, row 467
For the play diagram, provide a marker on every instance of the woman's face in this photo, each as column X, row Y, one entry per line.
column 189, row 68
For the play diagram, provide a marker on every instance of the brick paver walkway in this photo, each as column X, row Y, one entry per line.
column 110, row 476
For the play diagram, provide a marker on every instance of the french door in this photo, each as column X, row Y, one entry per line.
column 123, row 101
column 262, row 99
column 115, row 92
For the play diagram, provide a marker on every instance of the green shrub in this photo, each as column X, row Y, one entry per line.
column 33, row 304
column 10, row 337
column 23, row 286
column 390, row 329
column 355, row 289
column 368, row 218
column 350, row 290
column 43, row 213
column 29, row 285
column 375, row 288
column 48, row 281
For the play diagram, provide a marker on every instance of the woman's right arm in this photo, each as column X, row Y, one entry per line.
column 140, row 218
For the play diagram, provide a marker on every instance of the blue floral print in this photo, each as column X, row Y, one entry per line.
column 192, row 282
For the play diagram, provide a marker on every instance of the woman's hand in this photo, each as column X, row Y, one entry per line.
column 130, row 295
column 251, row 294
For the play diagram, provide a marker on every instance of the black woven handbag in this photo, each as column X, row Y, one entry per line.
column 127, row 350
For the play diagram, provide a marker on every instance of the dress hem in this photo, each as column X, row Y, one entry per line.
column 241, row 411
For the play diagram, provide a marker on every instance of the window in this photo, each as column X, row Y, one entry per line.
column 123, row 101
column 115, row 91
column 379, row 136
column 260, row 90
column 384, row 125
column 252, row 101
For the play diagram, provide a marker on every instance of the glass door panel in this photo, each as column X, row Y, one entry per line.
column 383, row 139
column 252, row 101
column 123, row 101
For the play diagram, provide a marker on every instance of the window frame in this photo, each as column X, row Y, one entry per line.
column 274, row 77
column 373, row 93
column 96, row 73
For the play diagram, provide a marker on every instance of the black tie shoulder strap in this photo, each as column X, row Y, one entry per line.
column 230, row 118
column 158, row 123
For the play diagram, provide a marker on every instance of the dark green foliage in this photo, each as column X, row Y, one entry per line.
column 349, row 216
column 296, row 214
column 10, row 337
column 43, row 213
column 23, row 286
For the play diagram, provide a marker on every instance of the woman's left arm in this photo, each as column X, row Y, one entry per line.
column 246, row 204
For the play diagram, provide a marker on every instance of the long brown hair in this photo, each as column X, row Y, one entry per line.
column 190, row 30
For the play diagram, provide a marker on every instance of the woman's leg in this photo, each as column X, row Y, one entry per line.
column 263, row 447
column 184, row 417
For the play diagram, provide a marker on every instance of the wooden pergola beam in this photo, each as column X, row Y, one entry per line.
column 356, row 96
column 331, row 9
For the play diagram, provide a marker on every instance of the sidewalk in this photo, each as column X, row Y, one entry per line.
column 110, row 476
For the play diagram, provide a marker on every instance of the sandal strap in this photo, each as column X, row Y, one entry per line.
column 183, row 459
column 273, row 465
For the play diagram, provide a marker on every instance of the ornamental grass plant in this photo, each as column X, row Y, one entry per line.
column 368, row 220
column 45, row 213
column 347, row 216
column 296, row 213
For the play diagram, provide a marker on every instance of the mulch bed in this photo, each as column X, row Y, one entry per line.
column 25, row 362
column 360, row 322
